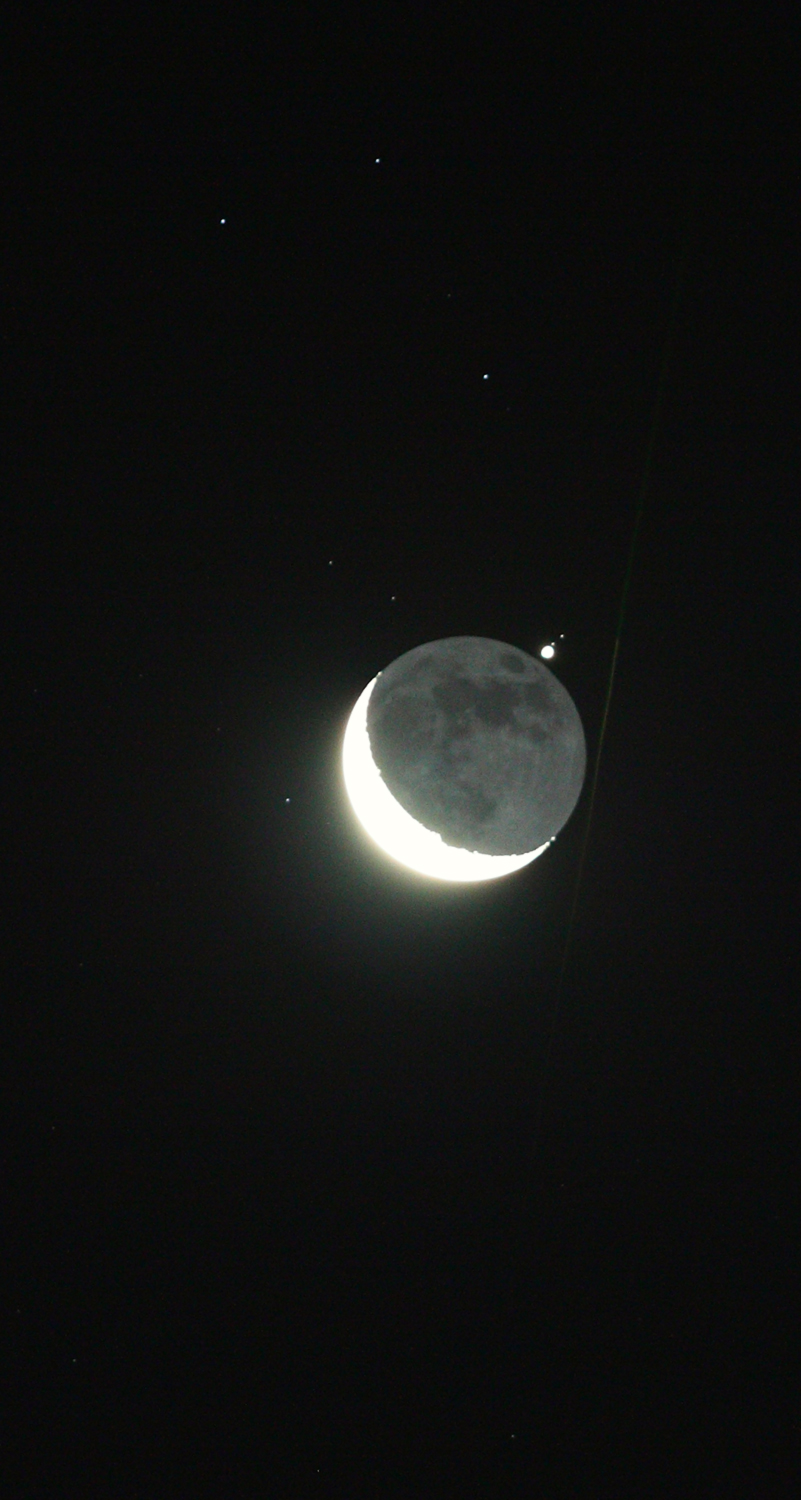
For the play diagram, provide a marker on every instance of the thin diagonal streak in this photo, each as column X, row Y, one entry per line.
column 653, row 430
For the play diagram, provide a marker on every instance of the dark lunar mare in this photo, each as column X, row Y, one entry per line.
column 479, row 742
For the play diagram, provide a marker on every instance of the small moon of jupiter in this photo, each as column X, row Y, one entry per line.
column 464, row 758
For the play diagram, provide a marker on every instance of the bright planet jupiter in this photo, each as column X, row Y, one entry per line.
column 464, row 758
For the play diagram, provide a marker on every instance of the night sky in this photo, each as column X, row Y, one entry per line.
column 327, row 334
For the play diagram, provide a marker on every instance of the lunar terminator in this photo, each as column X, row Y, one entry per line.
column 464, row 758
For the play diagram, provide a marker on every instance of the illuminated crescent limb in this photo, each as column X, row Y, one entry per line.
column 395, row 830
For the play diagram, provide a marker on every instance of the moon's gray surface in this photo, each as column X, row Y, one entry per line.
column 479, row 742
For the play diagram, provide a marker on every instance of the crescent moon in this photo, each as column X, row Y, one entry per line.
column 395, row 831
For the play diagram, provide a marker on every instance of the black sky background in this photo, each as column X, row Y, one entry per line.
column 277, row 1217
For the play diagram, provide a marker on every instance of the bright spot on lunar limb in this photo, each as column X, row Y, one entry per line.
column 464, row 759
column 547, row 652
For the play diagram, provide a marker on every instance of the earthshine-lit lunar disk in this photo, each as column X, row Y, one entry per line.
column 464, row 758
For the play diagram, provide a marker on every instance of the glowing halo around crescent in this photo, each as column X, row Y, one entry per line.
column 395, row 830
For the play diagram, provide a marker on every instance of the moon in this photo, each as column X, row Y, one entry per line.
column 464, row 759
